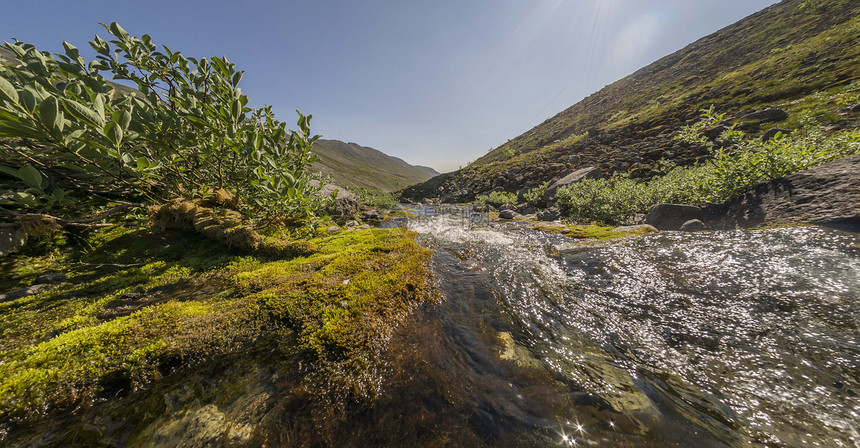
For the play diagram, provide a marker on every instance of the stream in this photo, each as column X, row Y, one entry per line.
column 733, row 338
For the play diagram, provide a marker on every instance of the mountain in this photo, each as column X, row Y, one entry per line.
column 796, row 56
column 354, row 166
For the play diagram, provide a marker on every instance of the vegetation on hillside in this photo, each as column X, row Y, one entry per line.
column 733, row 168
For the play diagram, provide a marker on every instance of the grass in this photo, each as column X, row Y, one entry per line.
column 142, row 304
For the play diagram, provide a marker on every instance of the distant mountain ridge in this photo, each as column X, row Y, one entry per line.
column 793, row 55
column 354, row 166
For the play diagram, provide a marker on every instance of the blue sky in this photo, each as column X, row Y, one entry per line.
column 436, row 83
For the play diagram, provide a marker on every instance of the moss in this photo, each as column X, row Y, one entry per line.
column 591, row 232
column 140, row 304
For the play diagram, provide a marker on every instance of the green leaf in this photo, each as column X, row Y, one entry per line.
column 27, row 99
column 84, row 113
column 7, row 91
column 30, row 176
column 113, row 132
column 49, row 113
column 118, row 31
column 99, row 106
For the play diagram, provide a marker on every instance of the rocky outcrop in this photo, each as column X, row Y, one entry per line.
column 672, row 216
column 826, row 195
column 345, row 204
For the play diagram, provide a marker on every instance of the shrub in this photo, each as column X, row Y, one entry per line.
column 535, row 195
column 497, row 198
column 74, row 137
column 373, row 198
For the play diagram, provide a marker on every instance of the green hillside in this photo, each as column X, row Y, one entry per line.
column 799, row 55
column 355, row 166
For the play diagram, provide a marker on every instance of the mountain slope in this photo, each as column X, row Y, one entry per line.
column 793, row 55
column 356, row 166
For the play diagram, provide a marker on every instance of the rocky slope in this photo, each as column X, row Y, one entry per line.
column 356, row 166
column 795, row 56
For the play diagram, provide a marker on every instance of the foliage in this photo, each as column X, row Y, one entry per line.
column 729, row 173
column 535, row 195
column 497, row 198
column 74, row 136
column 373, row 198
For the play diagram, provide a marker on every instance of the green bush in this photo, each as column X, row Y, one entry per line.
column 75, row 141
column 497, row 198
column 535, row 195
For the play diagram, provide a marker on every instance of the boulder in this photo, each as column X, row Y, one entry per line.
column 827, row 195
column 588, row 172
column 550, row 214
column 767, row 115
column 771, row 133
column 671, row 216
column 345, row 203
column 693, row 225
column 525, row 209
column 508, row 214
column 11, row 239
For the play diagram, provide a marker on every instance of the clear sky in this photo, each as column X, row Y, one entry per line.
column 436, row 83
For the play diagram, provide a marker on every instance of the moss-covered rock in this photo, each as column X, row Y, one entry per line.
column 142, row 305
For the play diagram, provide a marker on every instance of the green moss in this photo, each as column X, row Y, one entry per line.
column 141, row 303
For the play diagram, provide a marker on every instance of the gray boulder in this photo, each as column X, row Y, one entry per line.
column 508, row 214
column 525, row 209
column 693, row 225
column 767, row 115
column 345, row 203
column 588, row 172
column 550, row 214
column 671, row 216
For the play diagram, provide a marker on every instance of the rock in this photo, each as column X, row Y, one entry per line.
column 643, row 228
column 772, row 114
column 693, row 225
column 370, row 216
column 771, row 133
column 50, row 277
column 714, row 132
column 345, row 203
column 508, row 214
column 525, row 209
column 671, row 216
column 23, row 292
column 588, row 172
column 855, row 108
column 550, row 214
column 826, row 195
column 332, row 230
column 11, row 239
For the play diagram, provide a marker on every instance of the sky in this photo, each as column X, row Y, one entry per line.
column 436, row 83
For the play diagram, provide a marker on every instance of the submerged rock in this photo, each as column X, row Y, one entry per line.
column 671, row 216
column 693, row 225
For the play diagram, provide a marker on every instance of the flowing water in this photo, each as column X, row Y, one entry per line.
column 736, row 338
